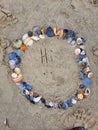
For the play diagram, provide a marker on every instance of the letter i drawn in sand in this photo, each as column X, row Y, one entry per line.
column 44, row 58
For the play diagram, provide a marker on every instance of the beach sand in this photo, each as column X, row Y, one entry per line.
column 55, row 79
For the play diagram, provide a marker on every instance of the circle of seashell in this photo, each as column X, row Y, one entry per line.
column 27, row 40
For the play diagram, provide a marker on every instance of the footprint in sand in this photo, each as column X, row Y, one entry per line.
column 81, row 117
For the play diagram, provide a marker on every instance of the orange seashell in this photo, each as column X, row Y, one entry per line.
column 18, row 79
column 58, row 33
column 61, row 33
column 31, row 93
column 55, row 31
column 23, row 48
column 85, row 96
column 90, row 75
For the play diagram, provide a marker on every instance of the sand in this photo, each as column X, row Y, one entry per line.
column 57, row 78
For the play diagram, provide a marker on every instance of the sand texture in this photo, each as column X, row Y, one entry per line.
column 57, row 76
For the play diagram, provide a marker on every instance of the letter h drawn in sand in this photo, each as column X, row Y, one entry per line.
column 44, row 58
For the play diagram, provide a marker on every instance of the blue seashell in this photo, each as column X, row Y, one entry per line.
column 12, row 56
column 19, row 52
column 69, row 102
column 26, row 86
column 49, row 32
column 87, row 82
column 64, row 105
column 17, row 60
